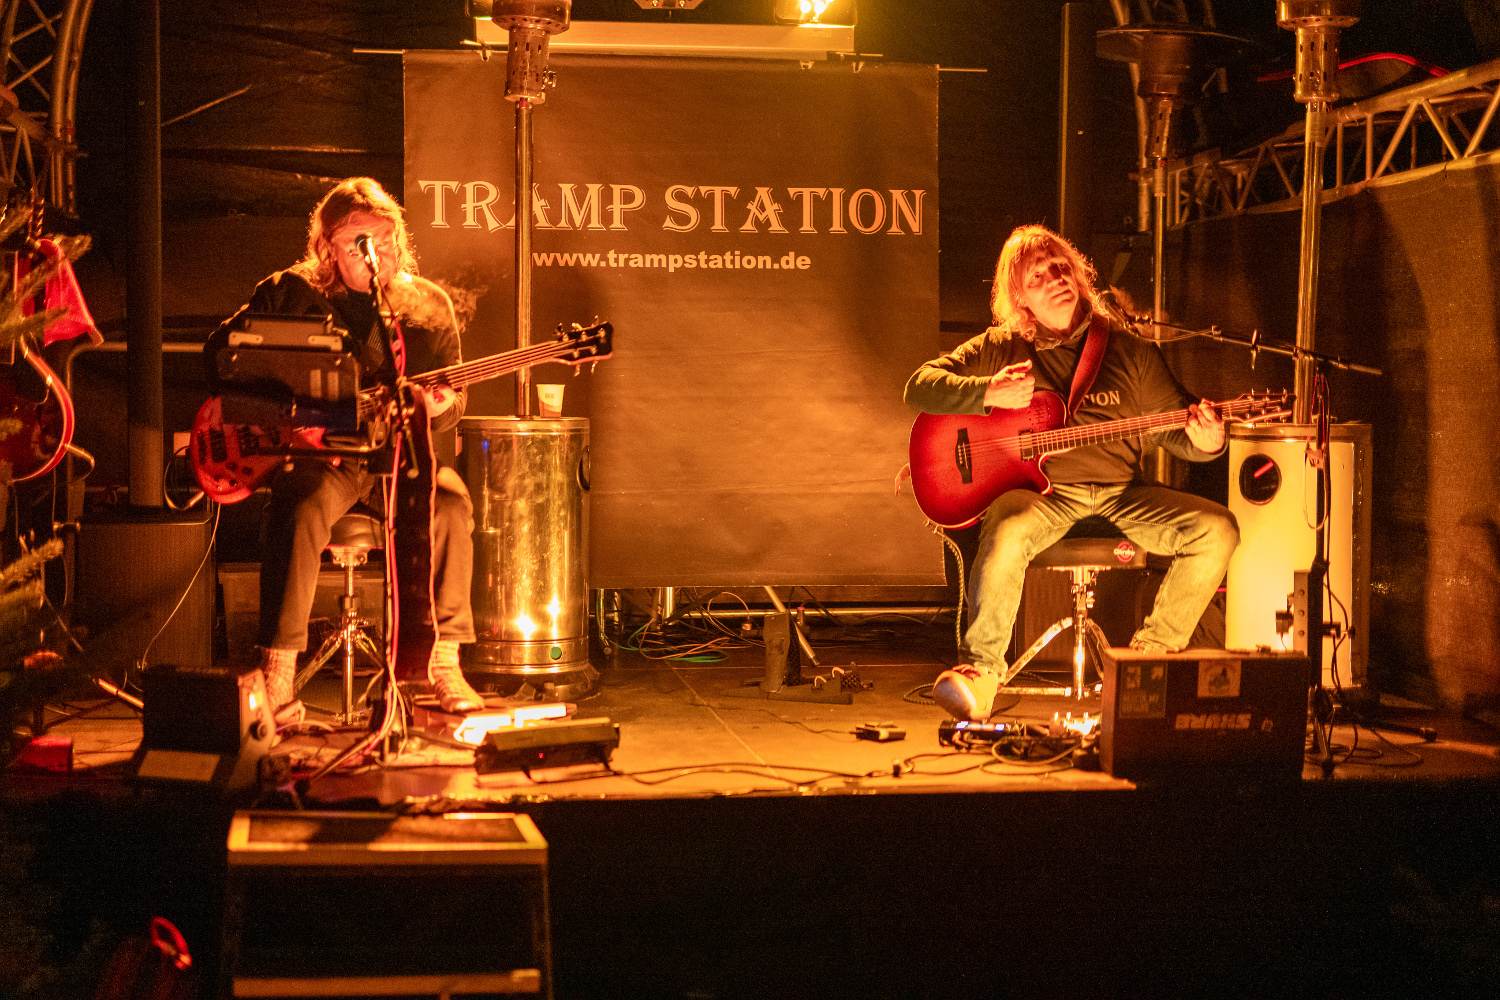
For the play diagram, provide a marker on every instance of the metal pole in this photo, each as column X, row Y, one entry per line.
column 1313, row 147
column 143, row 269
column 523, row 249
column 1121, row 10
column 1159, row 239
column 1317, row 24
column 531, row 23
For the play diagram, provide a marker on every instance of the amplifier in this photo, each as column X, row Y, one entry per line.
column 209, row 725
column 133, row 570
column 1204, row 713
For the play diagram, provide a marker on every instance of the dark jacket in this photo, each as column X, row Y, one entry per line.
column 1133, row 381
column 429, row 329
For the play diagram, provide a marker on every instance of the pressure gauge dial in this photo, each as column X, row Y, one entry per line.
column 1260, row 478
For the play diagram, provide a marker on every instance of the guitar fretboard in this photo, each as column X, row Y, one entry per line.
column 1065, row 438
column 462, row 374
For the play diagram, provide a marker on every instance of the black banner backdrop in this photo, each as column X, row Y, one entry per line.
column 763, row 237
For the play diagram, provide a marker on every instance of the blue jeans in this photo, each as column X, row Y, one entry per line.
column 1199, row 534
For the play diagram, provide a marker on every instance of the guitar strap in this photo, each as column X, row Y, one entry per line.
column 1089, row 361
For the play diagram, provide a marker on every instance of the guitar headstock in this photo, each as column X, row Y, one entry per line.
column 585, row 344
column 1262, row 406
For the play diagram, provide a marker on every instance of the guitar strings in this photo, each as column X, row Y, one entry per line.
column 478, row 371
column 1081, row 434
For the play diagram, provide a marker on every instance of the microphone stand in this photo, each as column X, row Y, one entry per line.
column 397, row 442
column 388, row 338
column 1254, row 342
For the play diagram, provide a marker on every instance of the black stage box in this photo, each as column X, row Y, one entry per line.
column 1204, row 713
column 351, row 904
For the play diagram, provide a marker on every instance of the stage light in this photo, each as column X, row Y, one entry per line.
column 814, row 11
column 474, row 727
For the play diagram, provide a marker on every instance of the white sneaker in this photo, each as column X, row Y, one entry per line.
column 966, row 692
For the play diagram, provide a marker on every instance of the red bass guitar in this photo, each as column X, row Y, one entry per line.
column 231, row 461
column 961, row 462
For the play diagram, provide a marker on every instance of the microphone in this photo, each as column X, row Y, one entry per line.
column 366, row 247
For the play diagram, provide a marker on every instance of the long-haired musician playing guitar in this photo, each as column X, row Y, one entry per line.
column 335, row 278
column 1048, row 325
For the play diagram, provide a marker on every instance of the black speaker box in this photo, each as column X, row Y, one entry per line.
column 1203, row 714
column 132, row 571
column 206, row 725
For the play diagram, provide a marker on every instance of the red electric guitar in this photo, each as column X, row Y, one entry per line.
column 961, row 462
column 36, row 417
column 36, row 413
column 232, row 460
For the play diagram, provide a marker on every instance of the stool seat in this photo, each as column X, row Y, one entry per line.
column 1092, row 546
column 1091, row 553
column 356, row 533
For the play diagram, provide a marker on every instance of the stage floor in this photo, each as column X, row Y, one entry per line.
column 703, row 729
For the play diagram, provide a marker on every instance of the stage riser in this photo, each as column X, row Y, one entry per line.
column 1324, row 888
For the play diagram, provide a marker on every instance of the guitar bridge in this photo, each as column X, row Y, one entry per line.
column 217, row 450
column 963, row 457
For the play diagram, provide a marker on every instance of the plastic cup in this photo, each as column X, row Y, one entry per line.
column 549, row 399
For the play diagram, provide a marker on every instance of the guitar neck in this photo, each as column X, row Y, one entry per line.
column 1078, row 435
column 468, row 372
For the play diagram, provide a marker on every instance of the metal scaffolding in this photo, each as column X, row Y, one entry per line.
column 1436, row 125
column 41, row 42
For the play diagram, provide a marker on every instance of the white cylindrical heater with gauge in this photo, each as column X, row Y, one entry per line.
column 1273, row 495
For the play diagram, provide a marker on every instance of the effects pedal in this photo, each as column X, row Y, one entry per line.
column 952, row 732
column 880, row 732
column 551, row 744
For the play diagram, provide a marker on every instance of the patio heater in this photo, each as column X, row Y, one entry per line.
column 1317, row 24
column 531, row 24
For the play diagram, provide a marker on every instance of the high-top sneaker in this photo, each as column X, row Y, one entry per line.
column 280, row 668
column 448, row 682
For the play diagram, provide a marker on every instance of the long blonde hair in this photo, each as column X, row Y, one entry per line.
column 1025, row 245
column 356, row 194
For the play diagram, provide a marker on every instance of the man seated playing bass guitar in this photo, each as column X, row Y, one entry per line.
column 1044, row 307
column 308, row 498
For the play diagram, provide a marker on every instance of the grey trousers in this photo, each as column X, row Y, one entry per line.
column 305, row 503
column 1200, row 534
